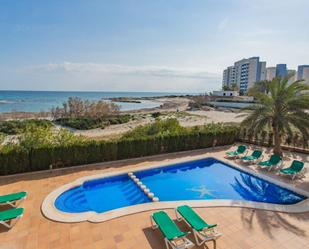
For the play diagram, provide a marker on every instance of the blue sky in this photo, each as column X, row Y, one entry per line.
column 144, row 45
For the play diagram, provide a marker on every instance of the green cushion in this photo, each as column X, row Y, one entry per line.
column 11, row 214
column 167, row 226
column 257, row 154
column 241, row 149
column 297, row 165
column 265, row 163
column 274, row 160
column 232, row 153
column 12, row 197
column 249, row 158
column 295, row 168
column 193, row 218
column 288, row 171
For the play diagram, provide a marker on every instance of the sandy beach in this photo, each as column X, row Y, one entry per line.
column 170, row 108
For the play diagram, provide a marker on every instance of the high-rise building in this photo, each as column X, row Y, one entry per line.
column 303, row 73
column 292, row 73
column 245, row 73
column 281, row 70
column 270, row 73
column 229, row 76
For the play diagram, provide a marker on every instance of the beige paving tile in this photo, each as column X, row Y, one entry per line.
column 242, row 228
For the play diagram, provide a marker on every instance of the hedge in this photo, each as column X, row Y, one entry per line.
column 19, row 161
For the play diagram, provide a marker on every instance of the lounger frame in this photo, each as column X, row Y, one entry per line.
column 172, row 243
column 12, row 222
column 15, row 203
column 201, row 239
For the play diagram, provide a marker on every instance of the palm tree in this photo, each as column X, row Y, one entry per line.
column 282, row 108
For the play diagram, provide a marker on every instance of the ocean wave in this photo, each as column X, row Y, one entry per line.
column 3, row 101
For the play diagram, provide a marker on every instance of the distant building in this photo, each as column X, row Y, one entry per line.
column 229, row 76
column 293, row 75
column 303, row 73
column 245, row 73
column 270, row 73
column 225, row 93
column 281, row 70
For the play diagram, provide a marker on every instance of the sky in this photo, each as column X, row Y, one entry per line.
column 144, row 45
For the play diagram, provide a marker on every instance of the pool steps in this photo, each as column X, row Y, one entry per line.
column 143, row 187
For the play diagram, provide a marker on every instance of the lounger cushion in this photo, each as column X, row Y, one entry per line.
column 241, row 149
column 249, row 158
column 295, row 168
column 193, row 218
column 274, row 160
column 266, row 163
column 11, row 214
column 167, row 226
column 12, row 197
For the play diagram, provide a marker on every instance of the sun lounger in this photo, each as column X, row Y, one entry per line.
column 202, row 231
column 271, row 163
column 12, row 199
column 253, row 157
column 7, row 216
column 240, row 150
column 295, row 169
column 173, row 237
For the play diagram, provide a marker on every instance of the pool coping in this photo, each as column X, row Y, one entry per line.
column 51, row 212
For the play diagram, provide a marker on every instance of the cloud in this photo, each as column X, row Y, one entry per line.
column 118, row 69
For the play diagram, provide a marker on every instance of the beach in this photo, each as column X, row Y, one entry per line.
column 177, row 107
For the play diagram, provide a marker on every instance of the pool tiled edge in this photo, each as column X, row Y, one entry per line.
column 51, row 212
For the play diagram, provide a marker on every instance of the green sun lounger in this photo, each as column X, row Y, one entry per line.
column 253, row 157
column 240, row 150
column 202, row 231
column 12, row 199
column 295, row 169
column 271, row 163
column 173, row 236
column 7, row 216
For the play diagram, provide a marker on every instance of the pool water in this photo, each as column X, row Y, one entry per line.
column 205, row 179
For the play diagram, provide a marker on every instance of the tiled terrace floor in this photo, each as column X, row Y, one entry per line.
column 241, row 228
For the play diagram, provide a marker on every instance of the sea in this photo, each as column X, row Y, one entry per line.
column 37, row 101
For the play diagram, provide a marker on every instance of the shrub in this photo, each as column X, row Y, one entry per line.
column 156, row 114
column 86, row 123
column 67, row 151
column 14, row 127
column 159, row 127
column 76, row 107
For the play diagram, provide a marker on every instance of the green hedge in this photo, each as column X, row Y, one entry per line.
column 18, row 161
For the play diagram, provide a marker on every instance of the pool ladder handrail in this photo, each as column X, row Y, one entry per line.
column 143, row 187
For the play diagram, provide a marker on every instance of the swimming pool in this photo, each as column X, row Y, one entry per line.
column 203, row 179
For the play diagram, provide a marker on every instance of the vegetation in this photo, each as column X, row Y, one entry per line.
column 84, row 115
column 233, row 87
column 14, row 127
column 85, row 123
column 34, row 138
column 40, row 148
column 158, row 128
column 76, row 107
column 2, row 138
column 281, row 108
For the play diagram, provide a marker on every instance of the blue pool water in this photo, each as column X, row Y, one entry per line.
column 203, row 179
